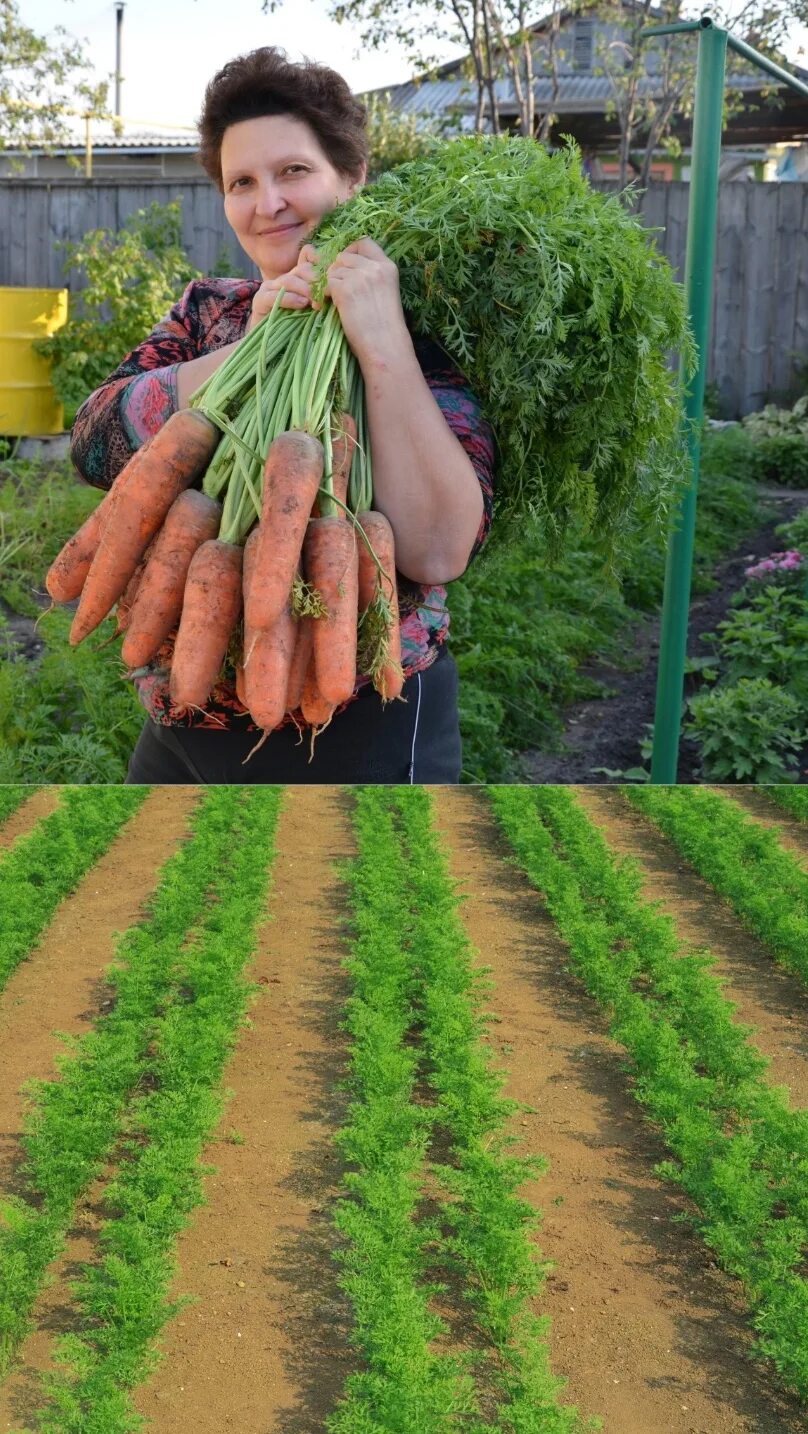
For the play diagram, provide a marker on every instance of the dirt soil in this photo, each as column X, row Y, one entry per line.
column 607, row 731
column 61, row 987
column 648, row 1332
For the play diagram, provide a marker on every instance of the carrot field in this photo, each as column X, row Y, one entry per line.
column 403, row 1110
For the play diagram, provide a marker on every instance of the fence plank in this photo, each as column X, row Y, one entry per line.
column 760, row 297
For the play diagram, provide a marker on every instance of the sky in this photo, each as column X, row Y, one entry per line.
column 171, row 48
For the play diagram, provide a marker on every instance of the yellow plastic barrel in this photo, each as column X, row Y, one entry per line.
column 28, row 404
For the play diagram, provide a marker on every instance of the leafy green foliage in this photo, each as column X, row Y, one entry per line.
column 414, row 1014
column 44, row 866
column 738, row 1150
column 70, row 717
column 75, row 1120
column 486, row 1224
column 10, row 799
column 560, row 311
column 132, row 280
column 749, row 731
column 123, row 1294
column 41, row 504
column 767, row 637
column 522, row 627
column 791, row 799
column 393, row 137
column 742, row 860
column 780, row 437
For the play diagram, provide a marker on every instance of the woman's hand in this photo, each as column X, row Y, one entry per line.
column 297, row 284
column 363, row 286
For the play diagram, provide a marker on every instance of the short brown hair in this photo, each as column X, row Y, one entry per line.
column 265, row 82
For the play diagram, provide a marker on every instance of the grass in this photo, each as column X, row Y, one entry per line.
column 737, row 1148
column 791, row 799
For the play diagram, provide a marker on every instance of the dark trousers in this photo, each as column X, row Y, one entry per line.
column 415, row 740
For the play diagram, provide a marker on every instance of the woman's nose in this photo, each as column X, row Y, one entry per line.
column 270, row 198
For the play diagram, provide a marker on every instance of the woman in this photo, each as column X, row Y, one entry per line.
column 285, row 143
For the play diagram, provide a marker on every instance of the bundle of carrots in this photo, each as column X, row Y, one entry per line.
column 317, row 591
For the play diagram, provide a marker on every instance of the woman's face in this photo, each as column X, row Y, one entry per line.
column 278, row 184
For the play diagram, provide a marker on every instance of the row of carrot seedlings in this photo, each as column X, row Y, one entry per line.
column 744, row 861
column 138, row 1094
column 39, row 870
column 427, row 1117
column 737, row 1148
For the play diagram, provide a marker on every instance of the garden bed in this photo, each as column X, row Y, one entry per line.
column 606, row 732
column 644, row 1324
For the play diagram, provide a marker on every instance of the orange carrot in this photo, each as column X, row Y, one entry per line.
column 380, row 631
column 292, row 474
column 301, row 657
column 240, row 693
column 154, row 477
column 123, row 607
column 267, row 654
column 317, row 712
column 342, row 452
column 329, row 554
column 191, row 519
column 210, row 609
column 65, row 576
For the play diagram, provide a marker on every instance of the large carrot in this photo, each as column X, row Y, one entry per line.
column 301, row 657
column 190, row 521
column 316, row 711
column 329, row 555
column 292, row 474
column 65, row 576
column 177, row 454
column 267, row 654
column 342, row 452
column 210, row 609
column 379, row 627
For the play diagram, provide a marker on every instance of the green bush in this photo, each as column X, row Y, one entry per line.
column 767, row 637
column 134, row 275
column 748, row 731
column 783, row 458
column 780, row 437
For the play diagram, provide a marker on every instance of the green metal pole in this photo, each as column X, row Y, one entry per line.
column 699, row 267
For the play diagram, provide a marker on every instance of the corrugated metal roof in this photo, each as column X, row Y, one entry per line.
column 148, row 141
column 576, row 93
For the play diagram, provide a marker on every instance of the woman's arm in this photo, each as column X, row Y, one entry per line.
column 158, row 376
column 424, row 480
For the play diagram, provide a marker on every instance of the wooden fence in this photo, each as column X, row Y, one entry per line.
column 760, row 306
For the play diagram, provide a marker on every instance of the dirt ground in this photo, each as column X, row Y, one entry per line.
column 647, row 1331
column 607, row 731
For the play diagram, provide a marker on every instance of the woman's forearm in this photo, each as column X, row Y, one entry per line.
column 191, row 375
column 423, row 480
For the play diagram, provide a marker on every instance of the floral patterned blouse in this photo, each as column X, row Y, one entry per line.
column 141, row 394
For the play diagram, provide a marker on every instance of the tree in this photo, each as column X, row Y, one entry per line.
column 496, row 35
column 648, row 117
column 55, row 69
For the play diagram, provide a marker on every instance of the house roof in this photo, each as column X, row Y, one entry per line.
column 577, row 93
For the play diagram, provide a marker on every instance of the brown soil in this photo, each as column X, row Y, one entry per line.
column 767, row 997
column 792, row 834
column 41, row 802
column 607, row 731
column 61, row 986
column 648, row 1332
column 266, row 1347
